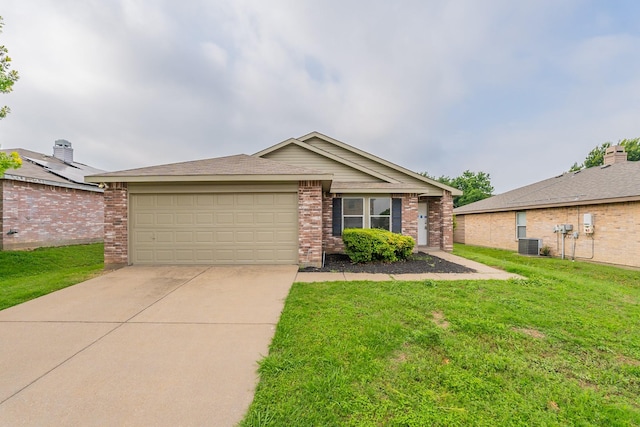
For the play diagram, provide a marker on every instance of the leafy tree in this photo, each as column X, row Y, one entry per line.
column 9, row 161
column 596, row 156
column 474, row 185
column 7, row 77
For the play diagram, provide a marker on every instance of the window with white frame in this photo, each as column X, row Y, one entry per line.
column 352, row 212
column 521, row 225
column 380, row 213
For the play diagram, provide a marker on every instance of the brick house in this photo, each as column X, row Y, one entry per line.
column 590, row 214
column 47, row 203
column 287, row 204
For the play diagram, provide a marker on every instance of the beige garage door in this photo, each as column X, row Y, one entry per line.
column 241, row 228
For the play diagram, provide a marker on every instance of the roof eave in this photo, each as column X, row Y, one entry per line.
column 552, row 205
column 208, row 178
column 76, row 186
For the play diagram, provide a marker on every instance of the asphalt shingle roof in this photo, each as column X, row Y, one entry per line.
column 240, row 164
column 597, row 184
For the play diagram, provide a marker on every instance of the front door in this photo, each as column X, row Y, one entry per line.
column 422, row 223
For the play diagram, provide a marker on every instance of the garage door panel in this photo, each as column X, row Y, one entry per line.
column 160, row 237
column 164, row 200
column 244, row 237
column 164, row 219
column 224, row 218
column 185, row 219
column 244, row 218
column 204, row 236
column 285, row 218
column 214, row 228
column 184, row 237
column 204, row 218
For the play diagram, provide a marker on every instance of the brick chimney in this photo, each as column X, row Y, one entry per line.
column 62, row 150
column 615, row 154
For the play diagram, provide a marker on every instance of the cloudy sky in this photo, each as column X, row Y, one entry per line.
column 517, row 89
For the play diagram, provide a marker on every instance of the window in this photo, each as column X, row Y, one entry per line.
column 353, row 213
column 521, row 225
column 380, row 213
column 362, row 212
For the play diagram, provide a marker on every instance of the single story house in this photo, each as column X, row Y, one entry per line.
column 46, row 201
column 590, row 214
column 287, row 204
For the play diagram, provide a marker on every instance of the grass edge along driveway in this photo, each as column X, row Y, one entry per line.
column 559, row 348
column 25, row 275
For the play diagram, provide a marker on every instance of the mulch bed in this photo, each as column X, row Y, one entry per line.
column 417, row 263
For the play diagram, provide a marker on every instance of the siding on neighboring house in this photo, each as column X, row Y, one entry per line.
column 616, row 237
column 47, row 215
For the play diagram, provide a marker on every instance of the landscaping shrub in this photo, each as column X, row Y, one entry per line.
column 365, row 245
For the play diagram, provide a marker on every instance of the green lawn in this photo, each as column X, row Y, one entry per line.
column 25, row 275
column 560, row 348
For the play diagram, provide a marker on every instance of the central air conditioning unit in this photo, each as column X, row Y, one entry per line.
column 529, row 246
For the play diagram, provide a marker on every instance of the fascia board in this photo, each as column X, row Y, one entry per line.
column 207, row 178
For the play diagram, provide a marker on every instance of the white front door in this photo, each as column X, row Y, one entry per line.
column 422, row 223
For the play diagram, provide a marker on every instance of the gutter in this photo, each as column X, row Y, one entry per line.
column 72, row 185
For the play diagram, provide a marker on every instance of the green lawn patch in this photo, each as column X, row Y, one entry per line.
column 25, row 275
column 559, row 348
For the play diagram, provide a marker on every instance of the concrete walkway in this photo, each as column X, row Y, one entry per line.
column 141, row 346
column 483, row 272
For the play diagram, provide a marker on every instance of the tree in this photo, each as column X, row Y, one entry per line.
column 474, row 185
column 7, row 77
column 596, row 156
column 9, row 161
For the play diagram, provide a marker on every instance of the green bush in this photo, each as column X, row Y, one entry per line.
column 372, row 244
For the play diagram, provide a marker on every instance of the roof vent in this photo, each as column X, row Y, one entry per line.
column 62, row 150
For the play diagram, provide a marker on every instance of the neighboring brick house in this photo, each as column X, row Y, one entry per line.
column 47, row 203
column 287, row 204
column 600, row 204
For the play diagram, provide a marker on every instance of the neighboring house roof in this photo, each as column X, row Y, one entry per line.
column 382, row 174
column 43, row 169
column 618, row 182
column 241, row 167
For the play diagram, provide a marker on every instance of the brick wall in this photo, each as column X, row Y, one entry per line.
column 310, row 223
column 616, row 239
column 116, row 237
column 46, row 215
column 440, row 222
column 459, row 230
column 409, row 215
column 332, row 244
column 446, row 203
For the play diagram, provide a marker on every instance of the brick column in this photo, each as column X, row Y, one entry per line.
column 409, row 215
column 310, row 223
column 447, row 221
column 332, row 244
column 434, row 222
column 116, row 230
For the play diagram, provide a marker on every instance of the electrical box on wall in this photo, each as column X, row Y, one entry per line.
column 587, row 222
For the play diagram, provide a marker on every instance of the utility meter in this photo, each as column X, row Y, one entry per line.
column 587, row 222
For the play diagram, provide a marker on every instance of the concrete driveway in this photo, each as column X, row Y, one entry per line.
column 141, row 346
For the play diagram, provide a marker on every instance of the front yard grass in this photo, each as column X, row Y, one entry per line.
column 25, row 275
column 559, row 348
